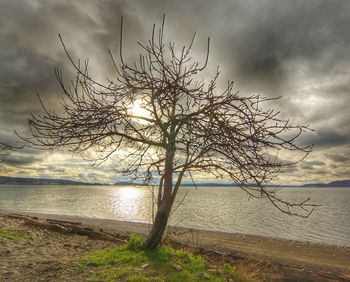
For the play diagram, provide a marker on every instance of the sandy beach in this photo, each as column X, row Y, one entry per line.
column 282, row 259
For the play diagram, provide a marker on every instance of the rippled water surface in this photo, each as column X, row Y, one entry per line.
column 212, row 208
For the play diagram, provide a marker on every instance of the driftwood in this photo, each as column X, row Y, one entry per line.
column 327, row 275
column 65, row 221
column 67, row 227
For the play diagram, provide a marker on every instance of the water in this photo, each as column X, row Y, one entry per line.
column 211, row 208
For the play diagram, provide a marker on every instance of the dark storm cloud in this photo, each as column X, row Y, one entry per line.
column 295, row 49
column 324, row 138
column 19, row 160
column 21, row 157
column 256, row 38
column 31, row 50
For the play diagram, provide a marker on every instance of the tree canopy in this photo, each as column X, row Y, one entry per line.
column 165, row 120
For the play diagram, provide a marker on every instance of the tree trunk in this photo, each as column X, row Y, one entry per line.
column 161, row 220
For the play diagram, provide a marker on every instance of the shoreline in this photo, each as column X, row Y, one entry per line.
column 291, row 253
column 143, row 227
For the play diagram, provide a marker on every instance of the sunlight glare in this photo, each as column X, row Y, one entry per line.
column 140, row 111
column 127, row 202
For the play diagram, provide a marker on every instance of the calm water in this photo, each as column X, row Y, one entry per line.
column 212, row 208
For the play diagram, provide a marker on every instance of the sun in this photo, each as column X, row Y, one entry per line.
column 138, row 110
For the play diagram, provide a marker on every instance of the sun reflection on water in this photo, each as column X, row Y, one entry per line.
column 129, row 203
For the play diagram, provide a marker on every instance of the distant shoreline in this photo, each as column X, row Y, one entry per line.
column 198, row 186
column 7, row 180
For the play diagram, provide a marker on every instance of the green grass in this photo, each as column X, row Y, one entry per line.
column 12, row 235
column 130, row 263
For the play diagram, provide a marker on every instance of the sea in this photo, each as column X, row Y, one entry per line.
column 224, row 209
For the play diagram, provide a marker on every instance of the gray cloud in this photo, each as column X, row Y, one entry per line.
column 311, row 165
column 338, row 158
column 297, row 49
column 19, row 160
column 326, row 137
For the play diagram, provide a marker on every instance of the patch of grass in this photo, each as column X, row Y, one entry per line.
column 135, row 243
column 12, row 235
column 130, row 263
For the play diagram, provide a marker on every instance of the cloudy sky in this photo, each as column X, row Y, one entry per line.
column 295, row 49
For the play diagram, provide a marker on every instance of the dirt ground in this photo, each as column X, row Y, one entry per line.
column 46, row 255
column 302, row 260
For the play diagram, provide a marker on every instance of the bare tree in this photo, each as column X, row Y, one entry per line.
column 165, row 125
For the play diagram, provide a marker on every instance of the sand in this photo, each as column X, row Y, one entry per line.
column 319, row 262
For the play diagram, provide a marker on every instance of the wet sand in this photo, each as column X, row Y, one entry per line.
column 328, row 261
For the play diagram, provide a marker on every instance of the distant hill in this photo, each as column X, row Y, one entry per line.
column 127, row 183
column 199, row 184
column 47, row 181
column 339, row 183
column 41, row 181
column 210, row 184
